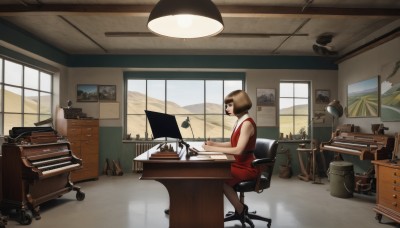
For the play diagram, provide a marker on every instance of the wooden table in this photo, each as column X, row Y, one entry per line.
column 195, row 188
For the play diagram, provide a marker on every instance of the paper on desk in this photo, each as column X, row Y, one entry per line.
column 218, row 157
column 197, row 158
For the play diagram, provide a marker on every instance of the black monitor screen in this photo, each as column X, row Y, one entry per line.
column 163, row 125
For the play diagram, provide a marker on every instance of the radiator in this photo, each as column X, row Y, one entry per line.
column 140, row 148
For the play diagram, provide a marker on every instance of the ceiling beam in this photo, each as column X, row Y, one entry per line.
column 371, row 44
column 226, row 10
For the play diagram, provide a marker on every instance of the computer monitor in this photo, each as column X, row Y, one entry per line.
column 163, row 125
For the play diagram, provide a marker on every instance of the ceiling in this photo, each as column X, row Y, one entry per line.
column 252, row 27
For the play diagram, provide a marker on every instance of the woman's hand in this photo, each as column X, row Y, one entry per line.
column 208, row 145
column 209, row 142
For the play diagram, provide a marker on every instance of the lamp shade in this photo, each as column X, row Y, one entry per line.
column 335, row 109
column 185, row 19
column 186, row 123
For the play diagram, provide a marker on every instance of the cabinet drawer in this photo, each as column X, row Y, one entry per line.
column 90, row 133
column 90, row 147
column 74, row 132
column 84, row 122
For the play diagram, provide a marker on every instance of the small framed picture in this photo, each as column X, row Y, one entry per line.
column 322, row 96
column 265, row 97
column 86, row 93
column 107, row 93
column 319, row 116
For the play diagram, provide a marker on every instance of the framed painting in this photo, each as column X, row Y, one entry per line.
column 363, row 98
column 322, row 96
column 390, row 88
column 87, row 93
column 107, row 93
column 265, row 97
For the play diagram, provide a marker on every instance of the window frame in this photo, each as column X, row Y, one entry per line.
column 294, row 115
column 39, row 91
column 167, row 76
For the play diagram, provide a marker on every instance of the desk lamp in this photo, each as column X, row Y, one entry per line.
column 186, row 124
column 335, row 109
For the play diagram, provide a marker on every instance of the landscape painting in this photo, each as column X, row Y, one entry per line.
column 265, row 97
column 363, row 98
column 87, row 93
column 107, row 93
column 390, row 92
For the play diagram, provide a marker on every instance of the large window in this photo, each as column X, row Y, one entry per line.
column 202, row 101
column 26, row 95
column 294, row 104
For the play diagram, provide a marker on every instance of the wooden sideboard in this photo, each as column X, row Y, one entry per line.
column 388, row 190
column 83, row 135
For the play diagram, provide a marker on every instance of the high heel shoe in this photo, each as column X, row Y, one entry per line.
column 244, row 213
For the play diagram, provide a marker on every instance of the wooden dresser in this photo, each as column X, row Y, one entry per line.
column 83, row 135
column 388, row 190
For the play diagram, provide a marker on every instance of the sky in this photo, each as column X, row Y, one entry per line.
column 185, row 92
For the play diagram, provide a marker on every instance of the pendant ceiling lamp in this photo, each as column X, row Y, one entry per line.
column 185, row 19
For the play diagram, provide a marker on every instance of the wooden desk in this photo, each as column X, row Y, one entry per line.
column 195, row 188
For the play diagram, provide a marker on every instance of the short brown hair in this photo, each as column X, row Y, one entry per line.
column 241, row 101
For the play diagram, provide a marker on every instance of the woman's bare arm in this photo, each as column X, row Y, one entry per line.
column 219, row 144
column 246, row 132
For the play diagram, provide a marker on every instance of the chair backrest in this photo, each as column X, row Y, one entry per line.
column 265, row 148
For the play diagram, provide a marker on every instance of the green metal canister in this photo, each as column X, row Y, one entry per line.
column 341, row 177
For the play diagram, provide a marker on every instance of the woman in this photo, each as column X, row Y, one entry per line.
column 241, row 145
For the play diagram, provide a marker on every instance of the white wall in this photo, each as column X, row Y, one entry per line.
column 365, row 66
column 97, row 76
column 270, row 79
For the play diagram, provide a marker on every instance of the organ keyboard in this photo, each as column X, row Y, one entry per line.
column 366, row 146
column 36, row 173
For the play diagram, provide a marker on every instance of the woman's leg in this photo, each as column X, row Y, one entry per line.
column 233, row 198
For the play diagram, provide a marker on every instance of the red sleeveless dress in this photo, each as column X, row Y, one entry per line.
column 241, row 169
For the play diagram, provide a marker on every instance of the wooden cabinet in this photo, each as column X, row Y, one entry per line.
column 83, row 135
column 388, row 190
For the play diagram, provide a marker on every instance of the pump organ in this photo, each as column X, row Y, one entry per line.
column 36, row 173
column 365, row 146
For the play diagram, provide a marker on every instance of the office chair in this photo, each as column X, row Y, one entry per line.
column 265, row 154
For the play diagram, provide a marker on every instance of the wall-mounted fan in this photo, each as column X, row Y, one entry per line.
column 321, row 46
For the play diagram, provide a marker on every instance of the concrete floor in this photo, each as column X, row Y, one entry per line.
column 125, row 201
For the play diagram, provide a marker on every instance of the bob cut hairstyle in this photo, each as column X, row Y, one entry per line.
column 241, row 101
